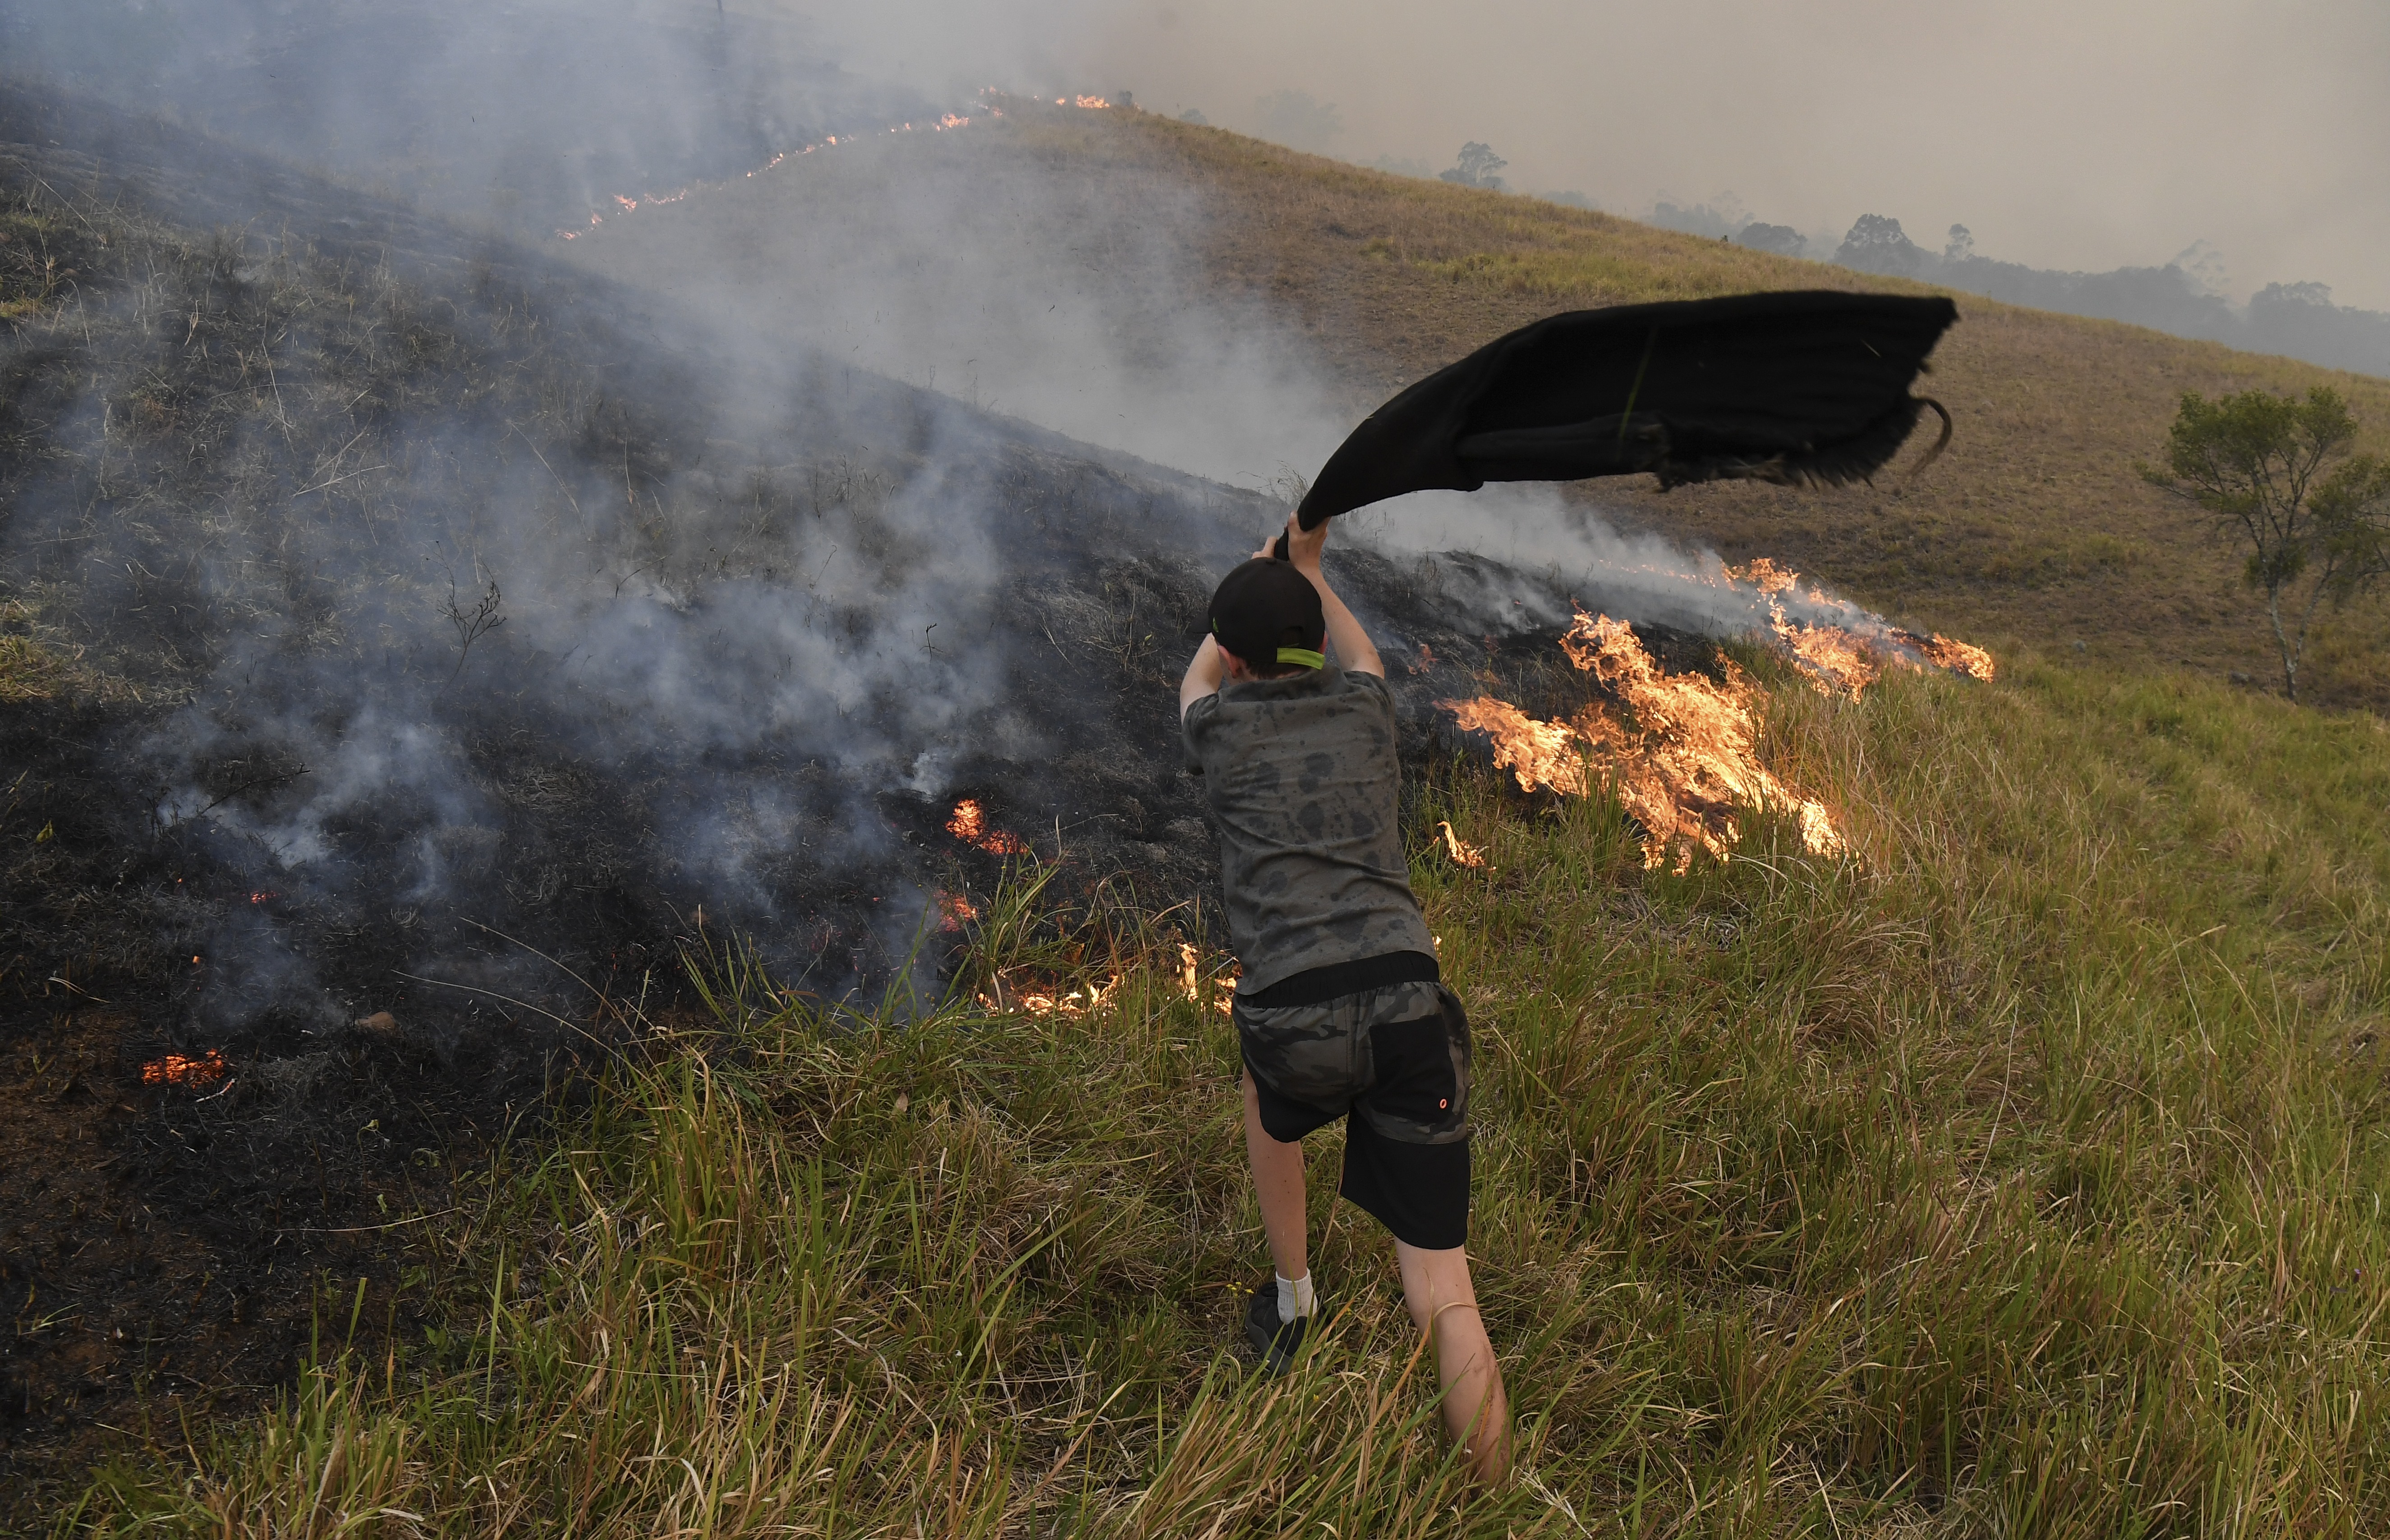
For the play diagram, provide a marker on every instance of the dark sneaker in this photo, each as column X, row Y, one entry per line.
column 1278, row 1342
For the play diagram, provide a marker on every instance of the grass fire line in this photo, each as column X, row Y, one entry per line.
column 1680, row 751
column 837, row 1274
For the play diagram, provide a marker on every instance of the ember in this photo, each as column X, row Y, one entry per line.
column 1682, row 758
column 176, row 1069
column 955, row 911
column 1048, row 1000
column 969, row 825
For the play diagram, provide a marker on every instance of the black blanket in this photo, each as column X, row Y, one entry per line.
column 1809, row 387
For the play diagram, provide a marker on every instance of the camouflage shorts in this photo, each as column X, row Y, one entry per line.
column 1396, row 1056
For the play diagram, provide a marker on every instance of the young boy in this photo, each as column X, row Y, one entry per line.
column 1341, row 1011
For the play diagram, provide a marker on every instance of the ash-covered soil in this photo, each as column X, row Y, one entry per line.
column 410, row 643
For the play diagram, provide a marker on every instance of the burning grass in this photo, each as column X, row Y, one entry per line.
column 2019, row 1179
column 1680, row 751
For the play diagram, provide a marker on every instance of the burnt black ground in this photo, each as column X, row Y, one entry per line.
column 257, row 468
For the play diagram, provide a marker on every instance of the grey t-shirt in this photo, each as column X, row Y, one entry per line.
column 1302, row 774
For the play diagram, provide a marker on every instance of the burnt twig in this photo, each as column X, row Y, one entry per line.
column 473, row 627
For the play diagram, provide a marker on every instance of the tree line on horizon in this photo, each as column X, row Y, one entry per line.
column 2295, row 320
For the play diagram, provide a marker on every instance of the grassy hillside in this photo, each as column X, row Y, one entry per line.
column 2033, row 528
column 2016, row 1176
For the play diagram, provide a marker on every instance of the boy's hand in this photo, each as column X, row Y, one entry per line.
column 1303, row 546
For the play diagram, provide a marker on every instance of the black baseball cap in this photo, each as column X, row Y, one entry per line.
column 1266, row 612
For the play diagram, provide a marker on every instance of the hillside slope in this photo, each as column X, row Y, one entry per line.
column 2034, row 530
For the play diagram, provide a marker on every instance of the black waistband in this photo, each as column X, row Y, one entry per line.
column 1314, row 985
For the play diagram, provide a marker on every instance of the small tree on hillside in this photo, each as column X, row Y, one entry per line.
column 1477, row 166
column 2275, row 476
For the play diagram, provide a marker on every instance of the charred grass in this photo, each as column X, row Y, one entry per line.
column 2016, row 1176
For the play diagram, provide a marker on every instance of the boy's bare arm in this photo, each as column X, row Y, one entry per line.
column 1354, row 649
column 1203, row 674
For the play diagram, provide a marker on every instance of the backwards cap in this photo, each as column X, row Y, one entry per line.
column 1266, row 612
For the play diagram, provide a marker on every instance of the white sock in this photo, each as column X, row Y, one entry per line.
column 1295, row 1298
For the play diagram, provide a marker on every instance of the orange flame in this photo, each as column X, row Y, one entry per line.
column 1539, row 754
column 1224, row 989
column 1833, row 658
column 175, row 1070
column 947, row 122
column 1682, row 761
column 1463, row 854
column 1041, row 1001
column 969, row 825
column 1958, row 657
column 1839, row 660
column 1764, row 575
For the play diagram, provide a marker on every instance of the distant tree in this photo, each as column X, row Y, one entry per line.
column 1782, row 239
column 1194, row 116
column 1960, row 245
column 1879, row 245
column 1476, row 167
column 1571, row 198
column 1717, row 219
column 1295, row 120
column 2300, row 319
column 2274, row 474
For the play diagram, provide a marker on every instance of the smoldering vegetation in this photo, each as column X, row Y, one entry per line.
column 522, row 117
column 408, row 651
column 414, row 646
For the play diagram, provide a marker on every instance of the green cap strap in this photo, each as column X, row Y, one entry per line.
column 1302, row 655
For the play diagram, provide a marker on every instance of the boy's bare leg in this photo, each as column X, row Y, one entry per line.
column 1444, row 1302
column 1277, row 1182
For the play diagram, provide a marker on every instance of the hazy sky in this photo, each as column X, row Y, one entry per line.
column 2071, row 134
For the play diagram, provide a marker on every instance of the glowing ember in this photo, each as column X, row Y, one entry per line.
column 176, row 1069
column 944, row 123
column 955, row 911
column 1045, row 1001
column 969, row 825
column 1682, row 759
column 1462, row 853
